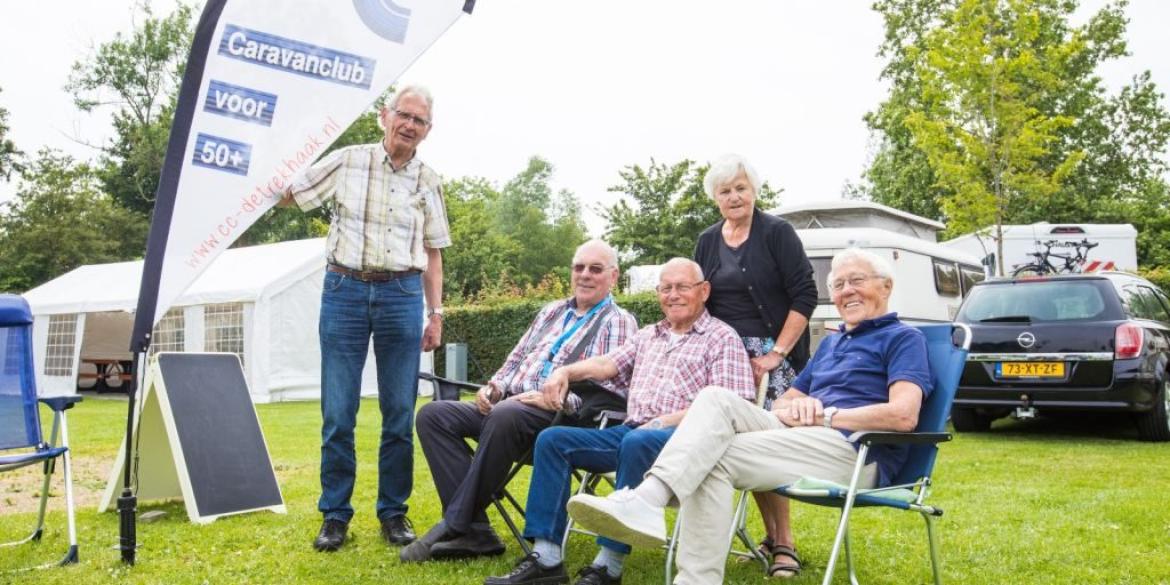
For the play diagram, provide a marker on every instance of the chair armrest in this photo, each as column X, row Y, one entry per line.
column 891, row 438
column 613, row 416
column 461, row 385
column 60, row 403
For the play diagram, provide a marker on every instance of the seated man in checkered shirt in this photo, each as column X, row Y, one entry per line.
column 666, row 364
column 510, row 409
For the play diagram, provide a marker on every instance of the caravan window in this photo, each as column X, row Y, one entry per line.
column 59, row 350
column 169, row 334
column 223, row 326
column 969, row 277
column 821, row 267
column 946, row 277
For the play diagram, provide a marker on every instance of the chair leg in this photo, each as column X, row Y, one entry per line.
column 740, row 531
column 935, row 565
column 672, row 548
column 843, row 526
column 71, row 557
column 849, row 561
column 516, row 533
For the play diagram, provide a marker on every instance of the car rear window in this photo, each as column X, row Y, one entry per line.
column 1059, row 300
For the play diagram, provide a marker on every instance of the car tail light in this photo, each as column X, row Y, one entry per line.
column 1128, row 341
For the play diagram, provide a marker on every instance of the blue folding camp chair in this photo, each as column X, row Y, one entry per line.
column 21, row 443
column 911, row 486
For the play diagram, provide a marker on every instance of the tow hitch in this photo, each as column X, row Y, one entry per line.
column 1025, row 411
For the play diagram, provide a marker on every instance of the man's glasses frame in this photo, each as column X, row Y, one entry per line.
column 682, row 288
column 409, row 117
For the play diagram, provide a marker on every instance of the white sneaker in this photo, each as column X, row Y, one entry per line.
column 622, row 516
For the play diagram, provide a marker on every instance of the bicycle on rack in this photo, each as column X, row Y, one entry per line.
column 1070, row 263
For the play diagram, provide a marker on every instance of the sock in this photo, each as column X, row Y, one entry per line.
column 612, row 560
column 549, row 551
column 654, row 491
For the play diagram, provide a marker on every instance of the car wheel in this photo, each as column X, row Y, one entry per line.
column 969, row 420
column 1155, row 424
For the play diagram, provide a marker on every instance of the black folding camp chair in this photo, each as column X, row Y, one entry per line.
column 21, row 443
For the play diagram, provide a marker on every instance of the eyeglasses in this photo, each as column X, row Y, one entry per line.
column 592, row 268
column 682, row 289
column 855, row 281
column 420, row 122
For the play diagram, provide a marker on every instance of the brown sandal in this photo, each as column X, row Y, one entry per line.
column 784, row 570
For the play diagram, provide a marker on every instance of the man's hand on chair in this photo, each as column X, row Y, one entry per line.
column 554, row 389
column 485, row 398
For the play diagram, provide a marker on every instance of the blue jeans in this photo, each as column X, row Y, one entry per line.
column 559, row 450
column 352, row 311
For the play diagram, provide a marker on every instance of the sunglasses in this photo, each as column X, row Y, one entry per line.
column 594, row 269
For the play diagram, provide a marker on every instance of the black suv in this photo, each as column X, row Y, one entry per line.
column 1076, row 342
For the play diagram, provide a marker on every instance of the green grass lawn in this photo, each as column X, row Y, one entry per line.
column 1038, row 502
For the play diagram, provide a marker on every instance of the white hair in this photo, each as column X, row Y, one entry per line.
column 415, row 90
column 611, row 257
column 687, row 262
column 878, row 266
column 724, row 169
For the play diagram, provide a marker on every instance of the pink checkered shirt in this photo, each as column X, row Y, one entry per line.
column 521, row 372
column 665, row 380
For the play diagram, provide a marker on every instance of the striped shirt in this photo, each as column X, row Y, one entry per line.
column 522, row 370
column 666, row 377
column 382, row 217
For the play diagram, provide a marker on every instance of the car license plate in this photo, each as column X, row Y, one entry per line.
column 1030, row 369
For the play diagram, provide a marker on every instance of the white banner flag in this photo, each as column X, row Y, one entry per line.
column 276, row 83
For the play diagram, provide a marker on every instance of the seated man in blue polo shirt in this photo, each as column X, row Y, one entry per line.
column 874, row 375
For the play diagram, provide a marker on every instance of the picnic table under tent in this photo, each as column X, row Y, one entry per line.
column 260, row 302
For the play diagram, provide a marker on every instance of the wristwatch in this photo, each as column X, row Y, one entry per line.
column 776, row 350
column 828, row 416
column 435, row 311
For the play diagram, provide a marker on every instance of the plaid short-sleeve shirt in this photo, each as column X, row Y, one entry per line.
column 666, row 378
column 383, row 218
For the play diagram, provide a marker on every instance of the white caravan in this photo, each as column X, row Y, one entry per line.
column 1116, row 244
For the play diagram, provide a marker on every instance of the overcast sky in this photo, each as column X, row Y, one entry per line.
column 590, row 86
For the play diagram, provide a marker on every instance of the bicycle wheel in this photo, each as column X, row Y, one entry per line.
column 1029, row 270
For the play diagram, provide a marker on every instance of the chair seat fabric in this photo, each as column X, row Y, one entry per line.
column 827, row 493
column 32, row 456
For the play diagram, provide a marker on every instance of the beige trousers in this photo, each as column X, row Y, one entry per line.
column 725, row 443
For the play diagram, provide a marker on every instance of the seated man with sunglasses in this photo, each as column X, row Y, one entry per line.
column 666, row 364
column 510, row 410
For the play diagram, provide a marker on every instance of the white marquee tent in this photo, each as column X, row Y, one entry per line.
column 260, row 302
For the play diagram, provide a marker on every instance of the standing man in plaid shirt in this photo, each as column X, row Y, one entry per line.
column 666, row 364
column 511, row 409
column 389, row 225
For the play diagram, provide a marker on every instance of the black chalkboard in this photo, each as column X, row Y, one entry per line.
column 226, row 458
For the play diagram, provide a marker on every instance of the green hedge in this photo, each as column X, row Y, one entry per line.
column 1158, row 276
column 491, row 332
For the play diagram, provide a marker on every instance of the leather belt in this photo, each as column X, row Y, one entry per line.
column 371, row 275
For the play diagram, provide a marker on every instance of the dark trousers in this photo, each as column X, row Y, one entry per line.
column 465, row 482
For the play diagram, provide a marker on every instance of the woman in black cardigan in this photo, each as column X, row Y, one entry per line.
column 762, row 285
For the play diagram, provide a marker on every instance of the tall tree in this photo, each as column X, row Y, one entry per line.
column 546, row 226
column 138, row 76
column 1004, row 94
column 663, row 209
column 9, row 155
column 983, row 129
column 60, row 220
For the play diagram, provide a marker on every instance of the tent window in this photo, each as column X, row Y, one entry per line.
column 169, row 332
column 59, row 350
column 224, row 328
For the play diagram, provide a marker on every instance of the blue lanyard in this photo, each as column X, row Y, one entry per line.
column 556, row 346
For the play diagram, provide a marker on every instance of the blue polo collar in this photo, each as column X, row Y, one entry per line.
column 875, row 323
